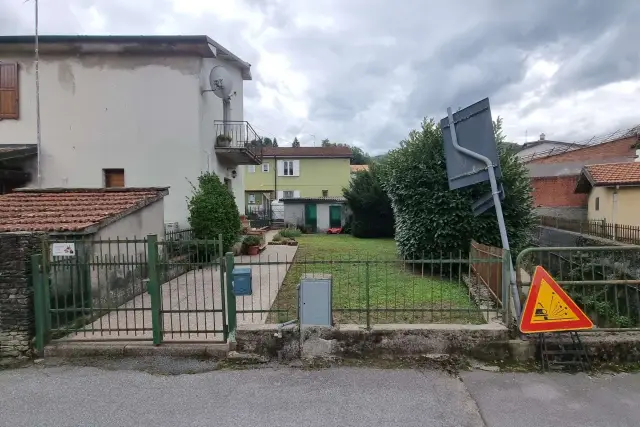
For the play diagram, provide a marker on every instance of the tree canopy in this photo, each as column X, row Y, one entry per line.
column 371, row 212
column 430, row 218
column 295, row 142
column 358, row 156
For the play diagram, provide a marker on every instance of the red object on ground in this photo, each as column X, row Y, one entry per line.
column 253, row 250
column 334, row 230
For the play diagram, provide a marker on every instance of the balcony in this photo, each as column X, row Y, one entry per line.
column 237, row 143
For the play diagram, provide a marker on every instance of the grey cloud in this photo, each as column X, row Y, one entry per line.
column 439, row 53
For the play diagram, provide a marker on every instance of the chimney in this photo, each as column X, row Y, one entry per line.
column 542, row 136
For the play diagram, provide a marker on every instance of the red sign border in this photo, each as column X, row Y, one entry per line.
column 582, row 323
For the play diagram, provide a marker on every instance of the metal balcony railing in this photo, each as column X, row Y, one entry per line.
column 238, row 135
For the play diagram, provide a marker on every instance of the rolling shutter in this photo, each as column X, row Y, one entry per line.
column 9, row 107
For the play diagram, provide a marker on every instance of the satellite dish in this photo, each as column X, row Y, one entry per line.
column 221, row 83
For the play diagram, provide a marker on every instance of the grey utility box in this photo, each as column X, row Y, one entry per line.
column 314, row 298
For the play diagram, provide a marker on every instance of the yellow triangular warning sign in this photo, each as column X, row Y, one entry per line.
column 550, row 309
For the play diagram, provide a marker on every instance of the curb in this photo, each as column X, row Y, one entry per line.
column 70, row 350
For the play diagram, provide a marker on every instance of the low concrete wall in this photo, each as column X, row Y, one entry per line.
column 477, row 341
column 489, row 343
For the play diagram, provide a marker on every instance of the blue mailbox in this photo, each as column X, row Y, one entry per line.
column 242, row 281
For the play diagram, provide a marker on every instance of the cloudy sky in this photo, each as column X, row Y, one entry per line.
column 367, row 71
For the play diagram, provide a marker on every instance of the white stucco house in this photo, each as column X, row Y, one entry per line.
column 132, row 111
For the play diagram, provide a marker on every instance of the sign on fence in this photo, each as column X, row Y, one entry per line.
column 550, row 309
column 63, row 249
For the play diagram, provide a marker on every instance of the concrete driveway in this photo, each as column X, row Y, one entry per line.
column 199, row 291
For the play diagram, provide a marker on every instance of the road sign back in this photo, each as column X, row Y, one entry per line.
column 550, row 309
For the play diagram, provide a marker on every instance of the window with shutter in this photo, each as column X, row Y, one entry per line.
column 113, row 178
column 9, row 90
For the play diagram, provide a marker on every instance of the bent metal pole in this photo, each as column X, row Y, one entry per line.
column 498, row 205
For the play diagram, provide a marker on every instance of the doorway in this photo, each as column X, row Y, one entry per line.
column 311, row 217
column 335, row 216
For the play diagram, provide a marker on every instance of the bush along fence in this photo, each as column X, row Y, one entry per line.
column 598, row 228
column 603, row 281
column 428, row 289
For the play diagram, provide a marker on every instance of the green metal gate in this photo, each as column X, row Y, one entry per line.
column 131, row 290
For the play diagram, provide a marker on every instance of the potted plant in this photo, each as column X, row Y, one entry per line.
column 223, row 140
column 252, row 244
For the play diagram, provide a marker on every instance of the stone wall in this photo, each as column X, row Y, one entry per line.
column 16, row 293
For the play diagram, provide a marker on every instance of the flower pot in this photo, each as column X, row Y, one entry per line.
column 253, row 250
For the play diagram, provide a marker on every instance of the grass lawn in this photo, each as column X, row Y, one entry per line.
column 398, row 292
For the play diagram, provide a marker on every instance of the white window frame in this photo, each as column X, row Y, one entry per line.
column 287, row 167
column 288, row 194
column 265, row 167
column 252, row 199
column 252, row 168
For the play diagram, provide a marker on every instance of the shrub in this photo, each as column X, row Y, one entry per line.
column 213, row 211
column 430, row 218
column 371, row 212
column 276, row 238
column 251, row 241
column 290, row 233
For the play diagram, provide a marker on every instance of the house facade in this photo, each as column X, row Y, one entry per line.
column 288, row 172
column 613, row 192
column 554, row 177
column 125, row 111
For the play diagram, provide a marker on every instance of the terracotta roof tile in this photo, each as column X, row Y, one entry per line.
column 359, row 168
column 306, row 152
column 614, row 173
column 60, row 210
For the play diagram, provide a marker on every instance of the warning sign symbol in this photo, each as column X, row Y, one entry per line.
column 549, row 308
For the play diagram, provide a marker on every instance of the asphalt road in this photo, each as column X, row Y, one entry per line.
column 124, row 396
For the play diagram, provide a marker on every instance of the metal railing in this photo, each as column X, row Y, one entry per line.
column 237, row 134
column 130, row 289
column 604, row 281
column 367, row 291
column 598, row 228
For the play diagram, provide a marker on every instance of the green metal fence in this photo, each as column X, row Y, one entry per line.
column 426, row 289
column 604, row 281
column 129, row 289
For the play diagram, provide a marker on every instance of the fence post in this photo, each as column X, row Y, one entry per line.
column 231, row 297
column 368, row 307
column 506, row 281
column 38, row 301
column 154, row 288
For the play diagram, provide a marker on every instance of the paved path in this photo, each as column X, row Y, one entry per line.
column 201, row 291
column 124, row 396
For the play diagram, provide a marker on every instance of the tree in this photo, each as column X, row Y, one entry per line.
column 295, row 143
column 267, row 142
column 275, row 142
column 372, row 215
column 358, row 157
column 430, row 219
column 213, row 211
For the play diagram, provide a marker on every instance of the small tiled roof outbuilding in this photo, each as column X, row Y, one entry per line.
column 82, row 210
column 609, row 175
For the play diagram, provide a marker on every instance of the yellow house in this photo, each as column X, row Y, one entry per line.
column 614, row 192
column 296, row 172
